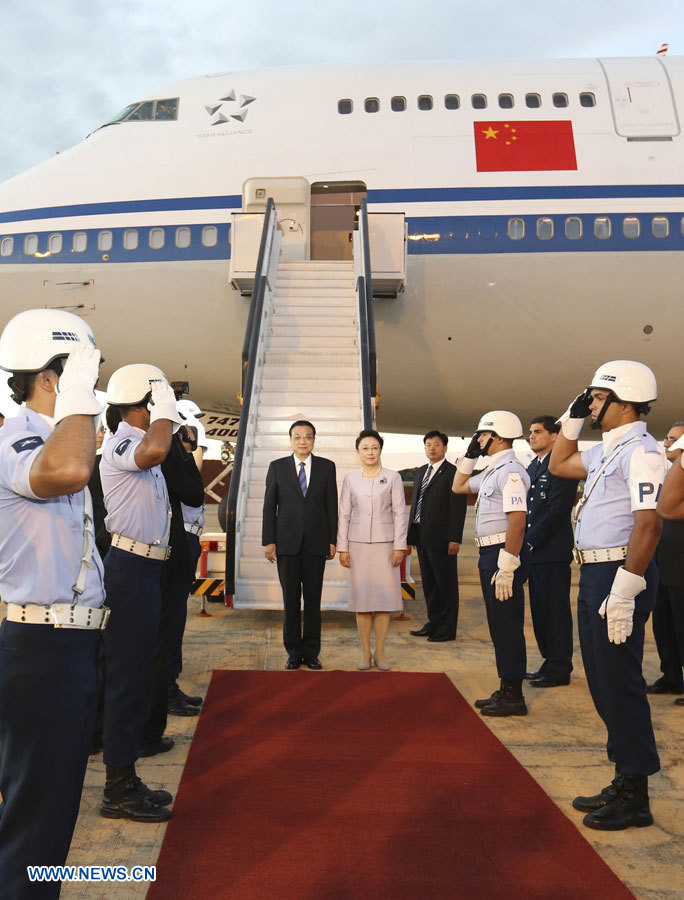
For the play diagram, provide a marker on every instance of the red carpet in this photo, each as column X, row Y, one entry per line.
column 363, row 786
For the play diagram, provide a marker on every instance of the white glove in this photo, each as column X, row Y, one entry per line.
column 76, row 385
column 572, row 420
column 679, row 445
column 465, row 466
column 618, row 607
column 502, row 579
column 162, row 405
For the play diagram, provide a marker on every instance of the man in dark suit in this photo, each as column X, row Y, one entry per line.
column 299, row 532
column 547, row 550
column 436, row 530
column 668, row 613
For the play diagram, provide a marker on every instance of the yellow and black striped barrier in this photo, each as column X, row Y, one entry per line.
column 208, row 587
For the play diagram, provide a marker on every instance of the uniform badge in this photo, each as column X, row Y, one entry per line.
column 27, row 443
column 121, row 449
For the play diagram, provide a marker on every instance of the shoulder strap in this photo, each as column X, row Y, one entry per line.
column 586, row 494
column 88, row 544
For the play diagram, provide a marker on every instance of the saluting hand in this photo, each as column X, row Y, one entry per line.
column 76, row 385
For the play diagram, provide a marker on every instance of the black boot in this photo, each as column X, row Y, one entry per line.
column 175, row 691
column 510, row 703
column 177, row 705
column 630, row 807
column 493, row 698
column 126, row 797
column 598, row 801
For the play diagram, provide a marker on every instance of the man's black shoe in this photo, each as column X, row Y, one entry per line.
column 293, row 662
column 530, row 675
column 487, row 701
column 603, row 798
column 510, row 703
column 662, row 686
column 313, row 664
column 440, row 638
column 174, row 690
column 422, row 632
column 544, row 682
column 130, row 799
column 630, row 807
column 163, row 745
column 679, row 701
column 178, row 707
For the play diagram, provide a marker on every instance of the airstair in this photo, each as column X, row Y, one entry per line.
column 309, row 354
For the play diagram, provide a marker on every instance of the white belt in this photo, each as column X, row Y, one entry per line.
column 611, row 554
column 60, row 615
column 193, row 529
column 491, row 539
column 140, row 548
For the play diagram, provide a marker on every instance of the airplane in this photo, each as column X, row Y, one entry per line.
column 544, row 206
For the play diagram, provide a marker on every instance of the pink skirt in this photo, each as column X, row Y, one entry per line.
column 374, row 583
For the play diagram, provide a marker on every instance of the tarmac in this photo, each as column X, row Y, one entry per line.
column 561, row 742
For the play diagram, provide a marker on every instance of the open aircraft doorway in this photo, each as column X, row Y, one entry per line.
column 334, row 217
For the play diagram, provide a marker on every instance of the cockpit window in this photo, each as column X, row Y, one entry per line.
column 148, row 111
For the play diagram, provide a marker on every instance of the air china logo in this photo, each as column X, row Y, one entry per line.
column 232, row 106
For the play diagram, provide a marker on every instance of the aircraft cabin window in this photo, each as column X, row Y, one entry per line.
column 602, row 227
column 660, row 226
column 452, row 101
column 506, row 101
column 7, row 246
column 119, row 117
column 560, row 100
column 55, row 243
column 105, row 241
column 479, row 101
column 573, row 228
column 130, row 239
column 156, row 238
column 398, row 104
column 183, row 236
column 371, row 104
column 631, row 227
column 516, row 229
column 532, row 101
column 166, row 109
column 544, row 228
column 30, row 244
column 425, row 102
column 210, row 236
column 587, row 99
column 79, row 242
column 344, row 107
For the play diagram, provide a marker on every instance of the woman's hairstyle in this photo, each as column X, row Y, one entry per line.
column 369, row 433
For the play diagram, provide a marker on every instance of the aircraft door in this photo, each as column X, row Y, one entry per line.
column 641, row 99
column 292, row 200
column 334, row 218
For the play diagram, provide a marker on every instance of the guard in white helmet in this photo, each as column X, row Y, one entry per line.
column 141, row 415
column 51, row 579
column 617, row 529
column 501, row 512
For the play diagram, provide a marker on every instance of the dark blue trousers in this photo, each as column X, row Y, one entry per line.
column 549, row 585
column 613, row 671
column 133, row 586
column 47, row 708
column 506, row 619
column 180, row 612
column 439, row 573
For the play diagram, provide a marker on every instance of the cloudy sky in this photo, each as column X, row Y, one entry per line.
column 67, row 67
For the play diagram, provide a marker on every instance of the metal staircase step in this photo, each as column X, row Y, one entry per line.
column 314, row 412
column 293, row 342
column 314, row 357
column 346, row 324
column 309, row 370
column 302, row 399
column 281, row 428
column 288, row 384
column 297, row 329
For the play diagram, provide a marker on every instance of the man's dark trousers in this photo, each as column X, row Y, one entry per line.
column 668, row 614
column 302, row 526
column 549, row 534
column 441, row 523
column 506, row 618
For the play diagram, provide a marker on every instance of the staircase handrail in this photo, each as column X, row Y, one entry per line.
column 249, row 361
column 364, row 289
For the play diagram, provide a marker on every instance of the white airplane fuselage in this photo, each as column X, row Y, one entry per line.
column 490, row 318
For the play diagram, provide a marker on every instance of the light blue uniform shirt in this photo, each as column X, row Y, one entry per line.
column 41, row 540
column 193, row 515
column 632, row 481
column 136, row 499
column 500, row 489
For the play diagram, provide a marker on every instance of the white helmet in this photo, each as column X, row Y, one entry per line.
column 502, row 423
column 189, row 408
column 631, row 382
column 35, row 338
column 129, row 385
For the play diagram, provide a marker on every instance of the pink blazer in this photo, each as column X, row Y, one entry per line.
column 372, row 510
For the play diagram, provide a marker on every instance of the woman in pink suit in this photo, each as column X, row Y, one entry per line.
column 371, row 540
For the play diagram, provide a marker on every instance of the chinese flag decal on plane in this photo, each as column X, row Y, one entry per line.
column 524, row 146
